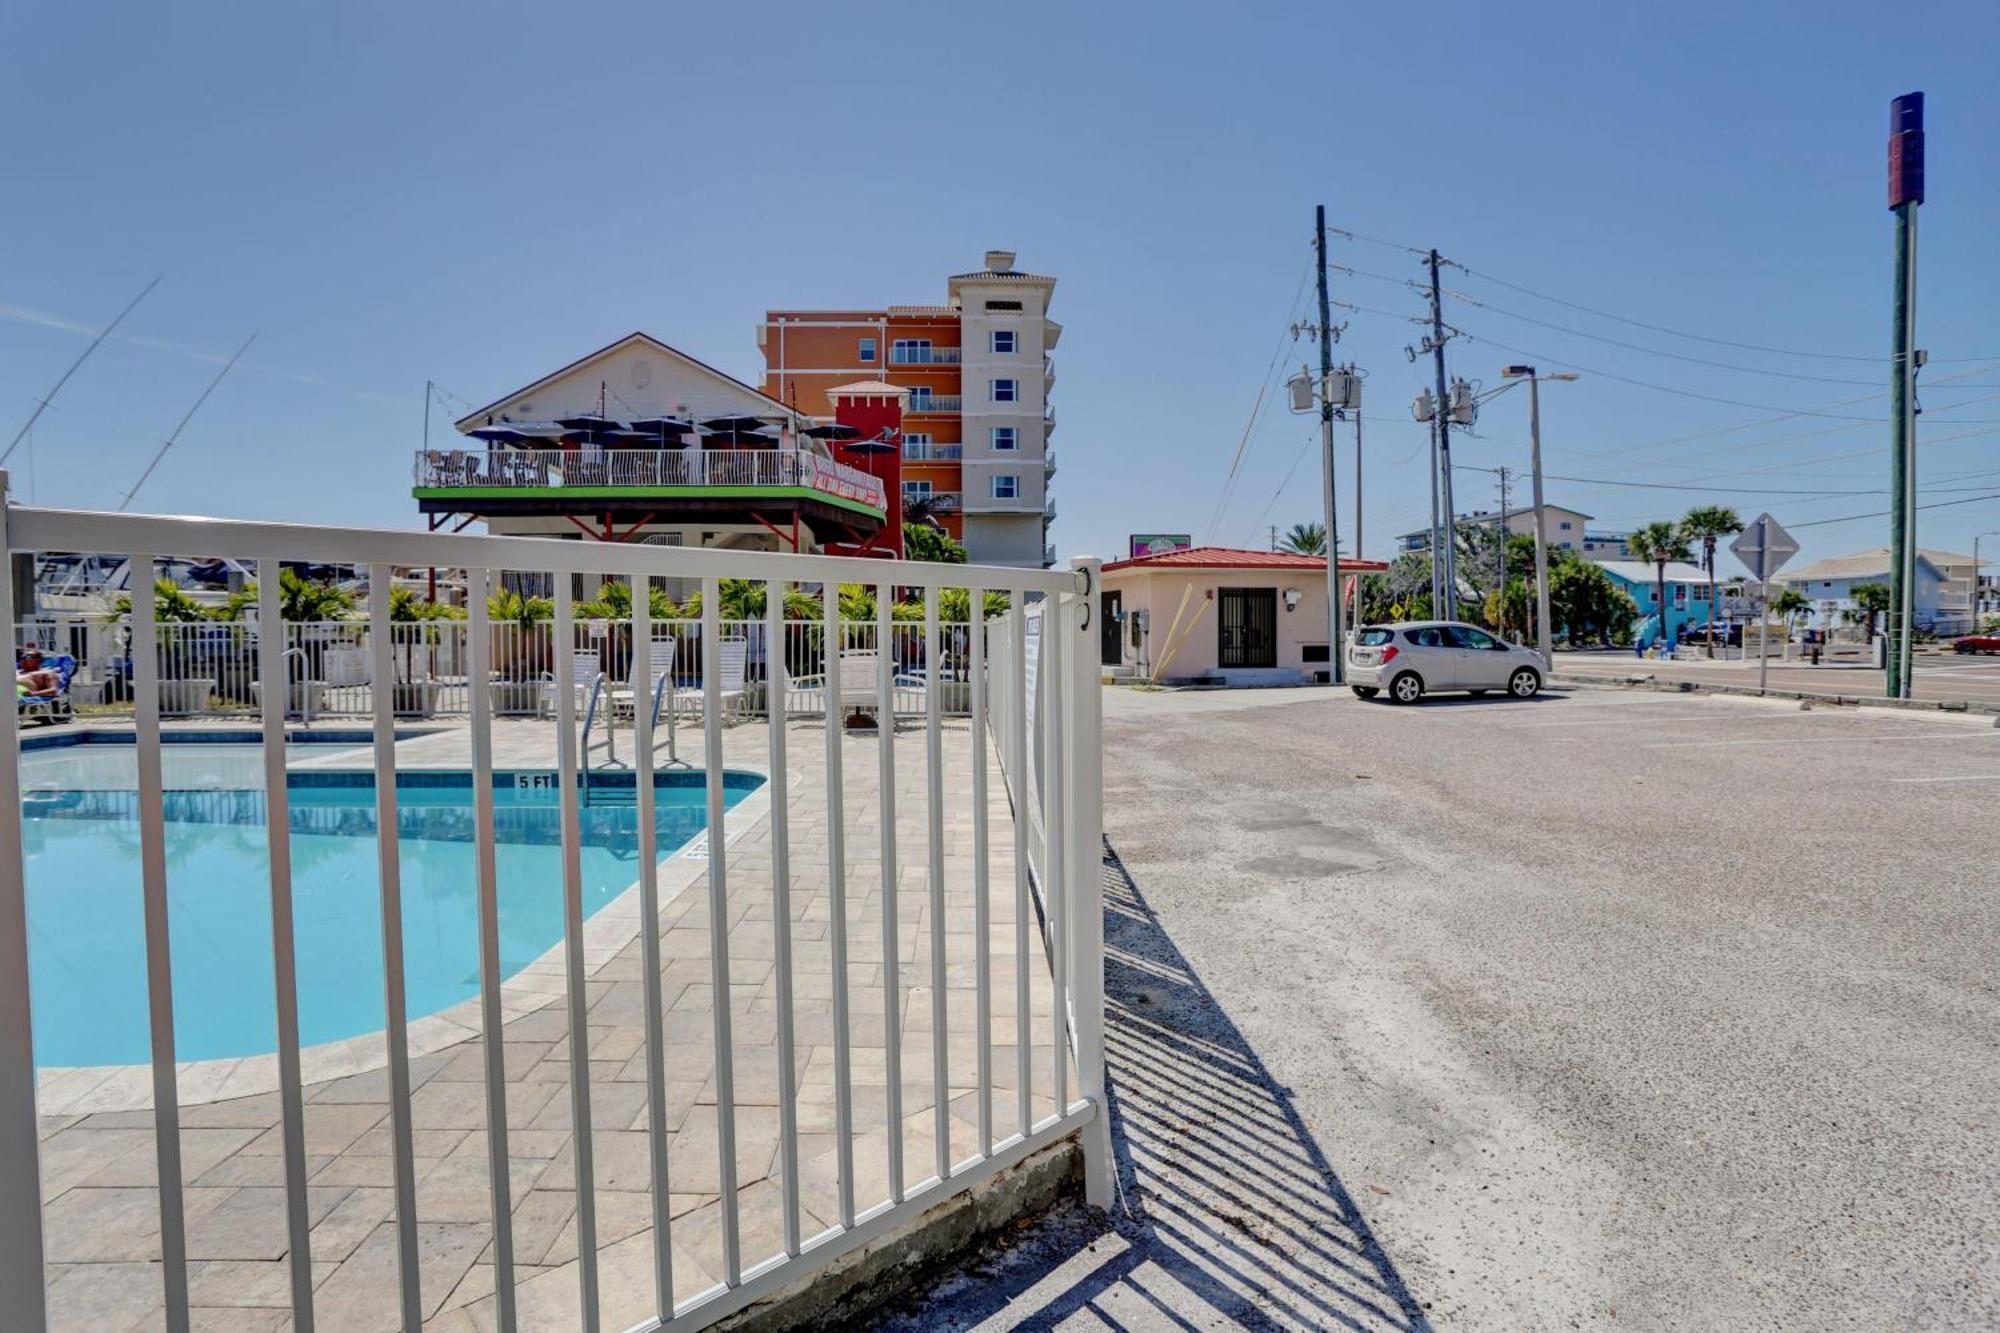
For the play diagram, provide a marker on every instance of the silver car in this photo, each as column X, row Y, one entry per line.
column 1425, row 656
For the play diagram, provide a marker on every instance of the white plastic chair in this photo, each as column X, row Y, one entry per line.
column 732, row 680
column 585, row 668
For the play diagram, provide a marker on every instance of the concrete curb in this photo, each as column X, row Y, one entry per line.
column 922, row 1250
column 1658, row 686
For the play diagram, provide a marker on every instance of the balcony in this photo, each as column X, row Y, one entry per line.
column 933, row 453
column 1048, row 467
column 925, row 356
column 1048, row 422
column 937, row 502
column 505, row 473
column 936, row 402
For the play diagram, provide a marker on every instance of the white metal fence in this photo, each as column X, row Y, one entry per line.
column 213, row 668
column 1030, row 692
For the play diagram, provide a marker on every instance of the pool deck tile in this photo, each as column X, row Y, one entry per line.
column 101, row 1213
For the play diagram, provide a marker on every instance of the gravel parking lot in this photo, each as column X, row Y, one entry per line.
column 1601, row 1010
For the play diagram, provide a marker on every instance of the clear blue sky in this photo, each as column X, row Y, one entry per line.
column 395, row 193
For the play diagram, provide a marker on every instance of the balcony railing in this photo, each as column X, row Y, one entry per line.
column 559, row 469
column 925, row 356
column 437, row 824
column 942, row 502
column 933, row 453
column 936, row 402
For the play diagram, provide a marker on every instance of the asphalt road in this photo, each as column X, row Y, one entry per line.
column 1603, row 1010
column 1940, row 676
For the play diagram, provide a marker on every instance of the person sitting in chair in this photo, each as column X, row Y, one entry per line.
column 32, row 680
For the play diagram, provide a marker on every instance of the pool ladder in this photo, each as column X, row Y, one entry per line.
column 600, row 708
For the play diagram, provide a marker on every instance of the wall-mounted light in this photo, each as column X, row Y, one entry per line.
column 1292, row 597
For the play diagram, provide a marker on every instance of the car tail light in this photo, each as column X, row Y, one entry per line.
column 1388, row 654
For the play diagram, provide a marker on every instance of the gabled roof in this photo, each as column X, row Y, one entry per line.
column 478, row 416
column 1861, row 565
column 1645, row 571
column 1233, row 557
column 874, row 387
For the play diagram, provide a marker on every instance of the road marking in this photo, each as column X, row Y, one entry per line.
column 1968, row 777
column 1982, row 735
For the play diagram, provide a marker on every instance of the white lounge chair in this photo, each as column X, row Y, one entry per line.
column 624, row 697
column 585, row 668
column 732, row 681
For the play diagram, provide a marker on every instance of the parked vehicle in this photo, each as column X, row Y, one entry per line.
column 1977, row 643
column 1428, row 656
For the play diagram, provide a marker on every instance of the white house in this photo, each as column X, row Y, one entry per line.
column 1829, row 585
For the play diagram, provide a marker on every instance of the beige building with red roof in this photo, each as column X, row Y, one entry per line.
column 1220, row 614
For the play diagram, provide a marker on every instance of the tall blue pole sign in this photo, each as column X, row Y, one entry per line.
column 1906, row 192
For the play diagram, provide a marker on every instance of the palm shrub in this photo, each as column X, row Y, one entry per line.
column 1661, row 543
column 1871, row 600
column 1706, row 525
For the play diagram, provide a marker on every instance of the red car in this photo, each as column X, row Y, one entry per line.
column 1978, row 643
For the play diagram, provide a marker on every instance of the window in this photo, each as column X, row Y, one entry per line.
column 1463, row 636
column 920, row 398
column 1680, row 594
column 1005, row 439
column 916, row 489
column 910, row 352
column 1566, row 525
column 1005, row 342
column 1372, row 637
column 1006, row 391
column 867, row 349
column 1006, row 486
column 1428, row 636
column 1003, row 305
column 917, row 439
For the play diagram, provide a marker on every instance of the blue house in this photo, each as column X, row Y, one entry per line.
column 1687, row 593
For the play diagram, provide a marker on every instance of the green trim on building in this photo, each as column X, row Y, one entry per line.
column 628, row 493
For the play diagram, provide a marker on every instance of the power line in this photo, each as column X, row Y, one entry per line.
column 1883, row 513
column 1679, row 356
column 1257, row 407
column 1683, row 333
column 1708, row 398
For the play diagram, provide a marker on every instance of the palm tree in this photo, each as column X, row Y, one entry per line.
column 1708, row 524
column 1661, row 542
column 1304, row 539
column 1871, row 599
column 1789, row 605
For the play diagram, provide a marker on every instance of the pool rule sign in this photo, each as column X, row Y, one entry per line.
column 1764, row 547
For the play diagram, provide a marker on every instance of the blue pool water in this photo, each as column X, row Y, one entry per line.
column 87, row 956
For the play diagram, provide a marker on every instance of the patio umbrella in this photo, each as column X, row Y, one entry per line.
column 833, row 431
column 734, row 423
column 664, row 432
column 590, row 426
column 501, row 434
column 735, row 438
column 537, row 430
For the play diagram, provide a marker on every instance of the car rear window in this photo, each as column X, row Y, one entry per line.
column 1373, row 637
column 1427, row 636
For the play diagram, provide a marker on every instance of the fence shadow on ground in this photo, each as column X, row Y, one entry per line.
column 1228, row 1210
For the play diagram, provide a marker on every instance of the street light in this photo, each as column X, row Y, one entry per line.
column 1534, row 381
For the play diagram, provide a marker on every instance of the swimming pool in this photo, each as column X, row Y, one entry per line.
column 87, row 959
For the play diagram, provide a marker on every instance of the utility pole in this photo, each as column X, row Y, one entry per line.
column 1357, row 503
column 1336, row 646
column 1906, row 193
column 1449, row 569
column 1542, row 635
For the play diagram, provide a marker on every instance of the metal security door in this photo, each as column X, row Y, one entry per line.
column 1247, row 626
column 1111, row 650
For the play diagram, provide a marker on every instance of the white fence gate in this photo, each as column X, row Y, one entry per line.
column 1030, row 688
